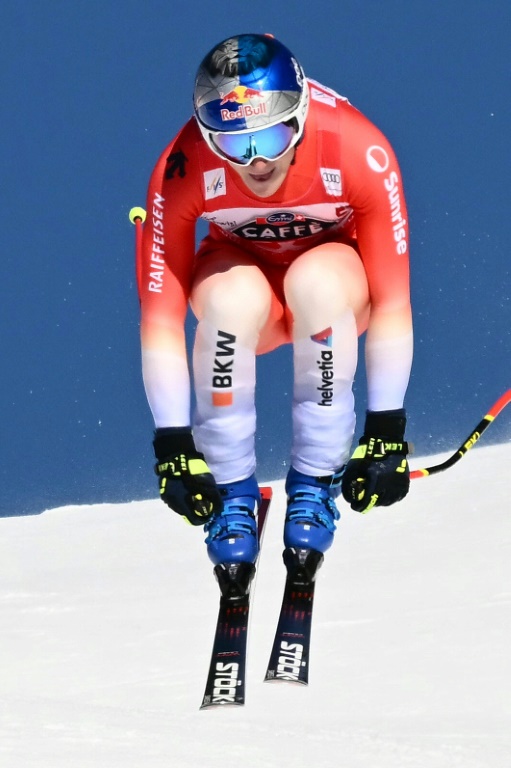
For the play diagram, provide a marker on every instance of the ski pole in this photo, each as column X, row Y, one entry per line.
column 471, row 440
column 137, row 217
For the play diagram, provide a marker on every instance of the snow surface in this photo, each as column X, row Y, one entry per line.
column 107, row 618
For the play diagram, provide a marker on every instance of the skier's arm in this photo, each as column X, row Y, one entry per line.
column 383, row 237
column 378, row 473
column 164, row 275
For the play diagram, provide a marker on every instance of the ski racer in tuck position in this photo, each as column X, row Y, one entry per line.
column 308, row 245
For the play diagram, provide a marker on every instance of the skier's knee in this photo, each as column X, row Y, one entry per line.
column 239, row 295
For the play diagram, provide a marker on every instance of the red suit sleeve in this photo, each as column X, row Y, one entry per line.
column 375, row 190
column 164, row 273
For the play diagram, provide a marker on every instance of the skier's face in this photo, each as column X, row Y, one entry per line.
column 264, row 177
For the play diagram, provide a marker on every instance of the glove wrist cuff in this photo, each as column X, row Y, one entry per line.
column 170, row 441
column 389, row 425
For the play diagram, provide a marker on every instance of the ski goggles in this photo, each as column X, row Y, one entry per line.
column 269, row 143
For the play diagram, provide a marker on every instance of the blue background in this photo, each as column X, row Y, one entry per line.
column 92, row 92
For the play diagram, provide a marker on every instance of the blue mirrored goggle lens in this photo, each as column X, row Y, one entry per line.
column 243, row 147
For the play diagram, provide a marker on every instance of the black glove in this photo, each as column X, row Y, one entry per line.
column 186, row 483
column 378, row 474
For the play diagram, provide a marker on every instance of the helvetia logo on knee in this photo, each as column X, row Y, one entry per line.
column 326, row 366
column 226, row 683
column 290, row 661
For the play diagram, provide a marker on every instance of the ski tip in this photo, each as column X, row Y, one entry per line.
column 212, row 705
column 273, row 677
column 266, row 492
column 137, row 213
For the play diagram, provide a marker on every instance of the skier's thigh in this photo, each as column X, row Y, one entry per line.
column 229, row 290
column 325, row 281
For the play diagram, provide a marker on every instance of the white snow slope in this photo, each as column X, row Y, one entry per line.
column 107, row 616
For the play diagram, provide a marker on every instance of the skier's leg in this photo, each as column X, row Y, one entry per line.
column 326, row 290
column 235, row 307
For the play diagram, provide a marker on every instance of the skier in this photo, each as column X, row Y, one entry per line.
column 307, row 244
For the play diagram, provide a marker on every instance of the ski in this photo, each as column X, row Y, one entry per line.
column 289, row 658
column 226, row 677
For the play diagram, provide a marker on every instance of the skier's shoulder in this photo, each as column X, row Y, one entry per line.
column 352, row 123
column 182, row 145
column 324, row 93
column 175, row 176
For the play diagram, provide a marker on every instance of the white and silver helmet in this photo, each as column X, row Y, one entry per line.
column 250, row 99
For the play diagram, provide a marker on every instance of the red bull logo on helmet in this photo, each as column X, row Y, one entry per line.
column 242, row 95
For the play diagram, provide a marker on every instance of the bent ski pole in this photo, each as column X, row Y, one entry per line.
column 471, row 440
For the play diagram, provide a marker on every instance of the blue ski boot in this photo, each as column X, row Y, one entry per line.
column 232, row 534
column 311, row 510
